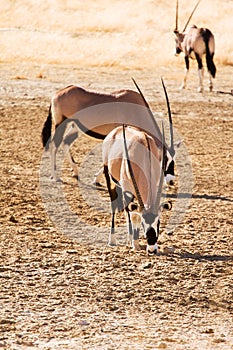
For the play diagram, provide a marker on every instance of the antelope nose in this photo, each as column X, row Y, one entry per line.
column 152, row 249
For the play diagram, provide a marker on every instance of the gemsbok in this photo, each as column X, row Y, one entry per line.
column 169, row 171
column 197, row 41
column 134, row 165
column 96, row 114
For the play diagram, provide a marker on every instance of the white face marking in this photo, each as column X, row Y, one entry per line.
column 151, row 249
column 169, row 178
column 169, row 159
column 154, row 224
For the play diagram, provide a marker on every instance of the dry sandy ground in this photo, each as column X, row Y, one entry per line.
column 65, row 290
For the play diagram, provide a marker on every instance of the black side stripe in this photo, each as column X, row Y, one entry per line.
column 88, row 132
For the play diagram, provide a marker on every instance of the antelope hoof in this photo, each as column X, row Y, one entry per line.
column 112, row 241
column 136, row 246
column 200, row 89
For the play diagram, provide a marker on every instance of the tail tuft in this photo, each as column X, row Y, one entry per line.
column 210, row 65
column 206, row 34
column 46, row 131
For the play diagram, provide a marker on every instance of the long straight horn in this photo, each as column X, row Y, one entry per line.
column 159, row 192
column 139, row 198
column 177, row 8
column 172, row 149
column 149, row 110
column 186, row 25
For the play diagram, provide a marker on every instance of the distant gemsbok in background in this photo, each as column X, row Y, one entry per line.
column 134, row 165
column 96, row 114
column 199, row 41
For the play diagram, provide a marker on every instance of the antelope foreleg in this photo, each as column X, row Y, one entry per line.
column 183, row 86
column 135, row 219
column 113, row 196
column 112, row 236
column 135, row 243
column 129, row 227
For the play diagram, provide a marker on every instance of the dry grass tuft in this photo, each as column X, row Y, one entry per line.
column 126, row 35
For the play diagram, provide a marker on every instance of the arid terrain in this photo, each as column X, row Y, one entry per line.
column 62, row 291
column 61, row 285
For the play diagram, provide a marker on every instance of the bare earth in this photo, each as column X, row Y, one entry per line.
column 60, row 291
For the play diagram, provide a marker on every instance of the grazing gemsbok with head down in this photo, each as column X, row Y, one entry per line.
column 199, row 41
column 96, row 114
column 134, row 165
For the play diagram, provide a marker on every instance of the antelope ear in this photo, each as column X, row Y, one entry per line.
column 133, row 207
column 166, row 205
column 178, row 144
column 136, row 219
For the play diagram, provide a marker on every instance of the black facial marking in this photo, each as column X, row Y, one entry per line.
column 134, row 207
column 151, row 236
column 171, row 169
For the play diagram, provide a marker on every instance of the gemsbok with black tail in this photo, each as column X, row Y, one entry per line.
column 96, row 114
column 134, row 165
column 197, row 41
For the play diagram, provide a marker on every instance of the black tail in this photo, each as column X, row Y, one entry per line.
column 47, row 129
column 206, row 34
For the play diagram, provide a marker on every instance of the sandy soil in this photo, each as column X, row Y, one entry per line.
column 61, row 290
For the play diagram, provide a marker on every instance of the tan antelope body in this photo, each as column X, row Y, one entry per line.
column 69, row 101
column 134, row 169
column 96, row 114
column 196, row 42
column 145, row 158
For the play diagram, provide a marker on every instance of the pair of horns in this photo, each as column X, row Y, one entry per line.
column 162, row 139
column 177, row 6
column 171, row 149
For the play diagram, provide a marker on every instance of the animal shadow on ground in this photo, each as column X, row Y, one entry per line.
column 200, row 196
